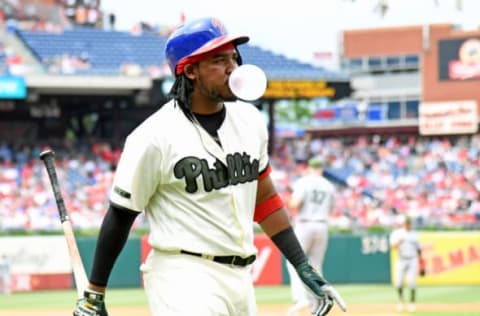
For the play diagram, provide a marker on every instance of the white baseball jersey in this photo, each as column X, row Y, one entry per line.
column 197, row 195
column 316, row 194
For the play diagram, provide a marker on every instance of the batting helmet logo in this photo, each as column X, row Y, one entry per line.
column 216, row 23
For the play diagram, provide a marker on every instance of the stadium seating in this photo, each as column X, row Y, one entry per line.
column 3, row 69
column 107, row 51
column 435, row 181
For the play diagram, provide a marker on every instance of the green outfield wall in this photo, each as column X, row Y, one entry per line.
column 355, row 259
column 126, row 271
column 358, row 259
column 452, row 258
column 349, row 259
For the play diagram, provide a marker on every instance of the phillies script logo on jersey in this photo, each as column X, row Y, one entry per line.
column 239, row 169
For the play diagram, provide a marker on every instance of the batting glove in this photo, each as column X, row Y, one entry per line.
column 320, row 288
column 92, row 304
column 422, row 271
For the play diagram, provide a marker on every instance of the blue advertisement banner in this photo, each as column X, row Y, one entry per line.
column 349, row 113
column 12, row 87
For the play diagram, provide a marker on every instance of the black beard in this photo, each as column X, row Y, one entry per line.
column 214, row 96
column 231, row 99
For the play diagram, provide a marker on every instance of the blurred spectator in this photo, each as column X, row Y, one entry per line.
column 68, row 64
column 2, row 17
column 12, row 25
column 81, row 15
column 131, row 69
column 92, row 17
column 111, row 20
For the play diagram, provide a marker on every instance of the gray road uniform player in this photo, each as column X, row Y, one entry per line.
column 406, row 267
column 312, row 201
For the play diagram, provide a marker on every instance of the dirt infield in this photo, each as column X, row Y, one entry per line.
column 277, row 310
column 378, row 309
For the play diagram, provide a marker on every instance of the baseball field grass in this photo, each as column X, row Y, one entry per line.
column 362, row 299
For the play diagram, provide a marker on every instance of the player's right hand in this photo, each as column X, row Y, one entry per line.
column 91, row 304
column 320, row 288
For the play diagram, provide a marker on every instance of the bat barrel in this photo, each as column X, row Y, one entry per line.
column 48, row 158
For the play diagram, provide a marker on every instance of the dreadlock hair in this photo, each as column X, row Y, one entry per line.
column 181, row 93
column 239, row 56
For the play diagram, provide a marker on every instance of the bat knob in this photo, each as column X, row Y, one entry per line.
column 46, row 153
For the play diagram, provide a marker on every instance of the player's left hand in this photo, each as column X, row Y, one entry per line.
column 92, row 304
column 321, row 289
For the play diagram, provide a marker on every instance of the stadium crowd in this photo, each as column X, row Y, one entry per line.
column 26, row 198
column 436, row 181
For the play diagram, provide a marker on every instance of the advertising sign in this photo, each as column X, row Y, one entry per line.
column 37, row 262
column 450, row 117
column 12, row 87
column 306, row 89
column 459, row 59
column 298, row 89
column 452, row 258
column 33, row 254
column 267, row 268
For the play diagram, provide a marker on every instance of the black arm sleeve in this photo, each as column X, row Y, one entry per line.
column 287, row 242
column 112, row 238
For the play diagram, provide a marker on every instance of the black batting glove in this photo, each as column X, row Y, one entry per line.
column 91, row 304
column 320, row 288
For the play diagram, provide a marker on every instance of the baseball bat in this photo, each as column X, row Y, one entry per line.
column 81, row 281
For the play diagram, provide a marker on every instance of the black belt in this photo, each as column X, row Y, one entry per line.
column 233, row 260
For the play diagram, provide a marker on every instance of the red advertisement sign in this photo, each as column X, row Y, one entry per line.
column 267, row 269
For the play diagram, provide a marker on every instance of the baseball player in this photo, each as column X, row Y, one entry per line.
column 405, row 241
column 199, row 170
column 5, row 275
column 312, row 201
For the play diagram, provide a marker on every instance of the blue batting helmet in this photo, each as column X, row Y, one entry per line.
column 198, row 37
